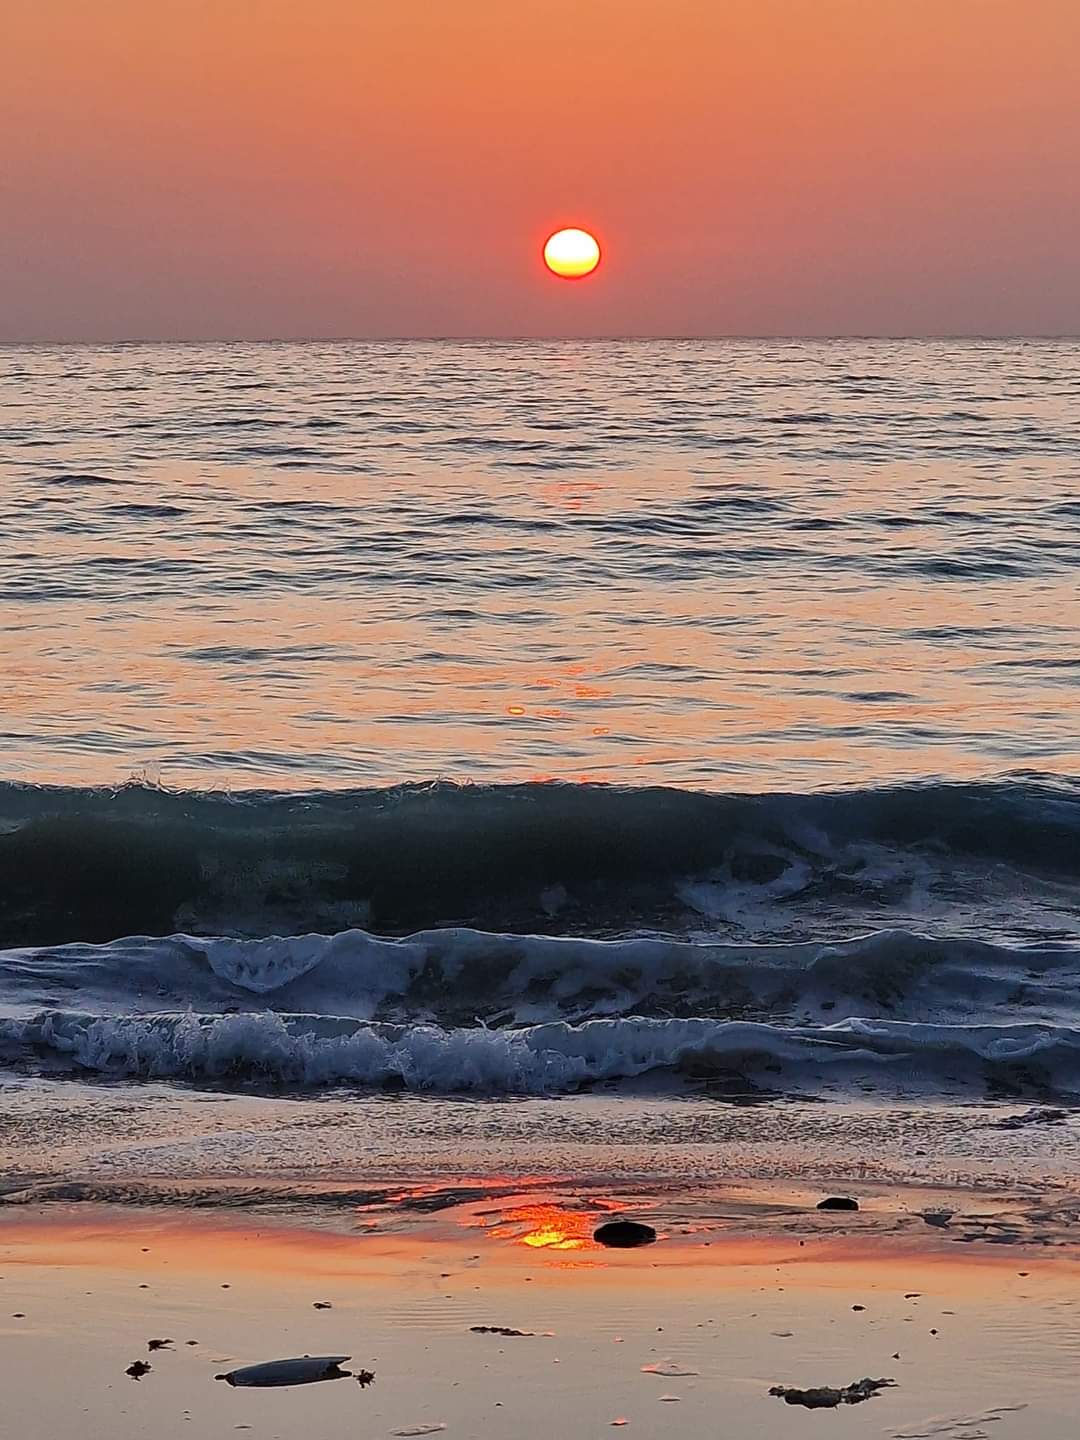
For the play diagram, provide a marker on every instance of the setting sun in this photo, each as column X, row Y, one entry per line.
column 571, row 254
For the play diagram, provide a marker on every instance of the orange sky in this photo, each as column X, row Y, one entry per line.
column 259, row 168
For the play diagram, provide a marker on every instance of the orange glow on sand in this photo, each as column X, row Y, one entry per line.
column 163, row 1249
column 571, row 254
column 543, row 1226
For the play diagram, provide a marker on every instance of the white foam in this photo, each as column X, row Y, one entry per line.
column 453, row 976
column 552, row 1058
column 352, row 1007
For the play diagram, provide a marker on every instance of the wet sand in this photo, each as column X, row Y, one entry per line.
column 154, row 1137
column 684, row 1337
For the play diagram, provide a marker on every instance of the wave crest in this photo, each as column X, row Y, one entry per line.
column 88, row 865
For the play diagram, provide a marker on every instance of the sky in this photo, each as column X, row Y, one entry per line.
column 259, row 169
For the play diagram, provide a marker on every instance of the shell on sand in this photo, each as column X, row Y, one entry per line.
column 305, row 1370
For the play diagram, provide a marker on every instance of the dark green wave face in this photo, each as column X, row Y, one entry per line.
column 998, row 860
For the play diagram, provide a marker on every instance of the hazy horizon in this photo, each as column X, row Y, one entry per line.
column 195, row 341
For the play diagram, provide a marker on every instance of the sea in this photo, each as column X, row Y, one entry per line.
column 575, row 720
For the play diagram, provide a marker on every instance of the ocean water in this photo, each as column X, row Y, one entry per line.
column 521, row 717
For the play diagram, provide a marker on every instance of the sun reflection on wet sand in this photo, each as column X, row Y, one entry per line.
column 547, row 1227
column 426, row 1230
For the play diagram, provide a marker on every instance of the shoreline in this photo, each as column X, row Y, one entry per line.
column 100, row 1135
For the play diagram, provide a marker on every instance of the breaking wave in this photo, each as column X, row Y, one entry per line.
column 464, row 1010
column 89, row 865
column 541, row 1059
column 540, row 938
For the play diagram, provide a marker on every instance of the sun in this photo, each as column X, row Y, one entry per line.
column 571, row 254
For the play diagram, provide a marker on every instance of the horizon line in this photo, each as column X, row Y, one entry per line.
column 614, row 338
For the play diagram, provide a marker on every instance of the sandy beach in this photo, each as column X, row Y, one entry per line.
column 686, row 1336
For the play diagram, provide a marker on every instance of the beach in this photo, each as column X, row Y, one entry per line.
column 409, row 1233
column 683, row 1336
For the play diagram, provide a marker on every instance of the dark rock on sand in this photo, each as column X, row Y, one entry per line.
column 838, row 1202
column 825, row 1397
column 938, row 1218
column 138, row 1369
column 624, row 1234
